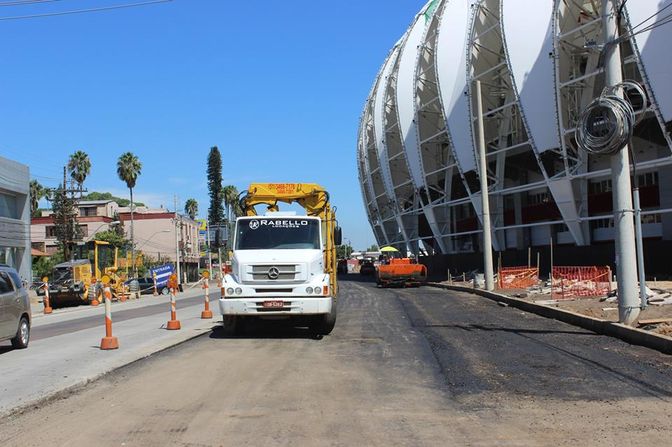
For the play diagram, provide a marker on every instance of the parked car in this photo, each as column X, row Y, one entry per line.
column 15, row 316
column 147, row 286
column 367, row 268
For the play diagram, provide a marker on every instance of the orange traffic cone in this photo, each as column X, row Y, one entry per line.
column 94, row 301
column 109, row 341
column 207, row 313
column 47, row 305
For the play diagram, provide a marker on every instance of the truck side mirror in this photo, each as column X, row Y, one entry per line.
column 338, row 236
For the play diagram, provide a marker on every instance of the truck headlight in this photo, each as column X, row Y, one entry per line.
column 229, row 291
column 318, row 290
column 239, row 290
column 309, row 290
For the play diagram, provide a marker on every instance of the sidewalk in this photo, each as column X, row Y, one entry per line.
column 53, row 366
column 68, row 313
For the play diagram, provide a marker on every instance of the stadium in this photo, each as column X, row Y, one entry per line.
column 539, row 65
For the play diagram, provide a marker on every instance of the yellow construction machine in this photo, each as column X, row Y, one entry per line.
column 71, row 281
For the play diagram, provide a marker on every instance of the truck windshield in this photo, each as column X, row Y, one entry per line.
column 278, row 233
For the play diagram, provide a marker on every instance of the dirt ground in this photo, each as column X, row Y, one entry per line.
column 603, row 307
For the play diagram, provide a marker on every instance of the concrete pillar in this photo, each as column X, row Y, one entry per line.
column 521, row 243
column 664, row 180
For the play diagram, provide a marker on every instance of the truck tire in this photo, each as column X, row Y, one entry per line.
column 324, row 324
column 233, row 325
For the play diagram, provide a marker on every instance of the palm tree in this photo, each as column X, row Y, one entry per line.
column 37, row 191
column 231, row 204
column 79, row 166
column 128, row 170
column 191, row 208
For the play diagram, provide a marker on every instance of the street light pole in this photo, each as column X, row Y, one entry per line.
column 483, row 167
column 116, row 222
column 624, row 240
column 177, row 244
column 207, row 232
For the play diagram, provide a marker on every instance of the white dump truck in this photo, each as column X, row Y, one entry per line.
column 283, row 265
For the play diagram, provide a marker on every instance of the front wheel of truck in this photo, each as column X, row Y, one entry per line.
column 324, row 324
column 233, row 325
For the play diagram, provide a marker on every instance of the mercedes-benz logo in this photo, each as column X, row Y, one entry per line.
column 273, row 273
column 254, row 224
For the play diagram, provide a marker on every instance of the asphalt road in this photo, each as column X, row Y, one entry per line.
column 402, row 367
column 66, row 327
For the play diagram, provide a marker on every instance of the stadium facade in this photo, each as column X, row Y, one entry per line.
column 539, row 63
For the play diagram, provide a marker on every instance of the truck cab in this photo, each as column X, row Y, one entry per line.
column 278, row 270
column 283, row 265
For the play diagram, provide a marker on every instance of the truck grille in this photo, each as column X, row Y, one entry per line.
column 285, row 272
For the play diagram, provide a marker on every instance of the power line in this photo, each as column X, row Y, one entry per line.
column 81, row 11
column 651, row 16
column 663, row 21
column 26, row 2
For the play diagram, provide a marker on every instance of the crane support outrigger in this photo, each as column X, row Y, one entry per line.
column 283, row 265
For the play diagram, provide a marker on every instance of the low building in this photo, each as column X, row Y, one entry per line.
column 15, row 216
column 155, row 236
column 43, row 231
column 154, row 231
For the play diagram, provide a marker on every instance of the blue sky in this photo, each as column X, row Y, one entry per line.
column 278, row 86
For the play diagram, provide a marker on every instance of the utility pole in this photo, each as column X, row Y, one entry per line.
column 177, row 243
column 624, row 240
column 70, row 228
column 207, row 232
column 483, row 167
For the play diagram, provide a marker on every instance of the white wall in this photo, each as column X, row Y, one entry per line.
column 15, row 232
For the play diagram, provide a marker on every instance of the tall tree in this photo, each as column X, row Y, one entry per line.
column 215, row 212
column 191, row 208
column 128, row 170
column 231, row 203
column 65, row 220
column 79, row 166
column 37, row 191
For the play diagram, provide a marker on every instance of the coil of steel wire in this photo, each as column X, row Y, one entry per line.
column 607, row 124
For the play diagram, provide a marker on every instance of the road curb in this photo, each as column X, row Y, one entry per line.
column 86, row 381
column 626, row 333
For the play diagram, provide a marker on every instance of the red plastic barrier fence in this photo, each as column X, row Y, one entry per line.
column 568, row 282
column 517, row 277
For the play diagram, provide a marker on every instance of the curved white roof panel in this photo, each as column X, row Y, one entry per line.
column 537, row 77
column 406, row 97
column 654, row 48
column 378, row 120
column 451, row 61
column 530, row 53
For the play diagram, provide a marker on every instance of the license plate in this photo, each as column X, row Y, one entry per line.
column 273, row 304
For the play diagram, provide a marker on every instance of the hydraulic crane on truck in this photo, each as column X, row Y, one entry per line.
column 314, row 199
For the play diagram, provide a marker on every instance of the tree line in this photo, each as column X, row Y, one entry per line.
column 224, row 203
column 64, row 198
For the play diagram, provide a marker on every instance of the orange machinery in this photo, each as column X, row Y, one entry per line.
column 399, row 271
